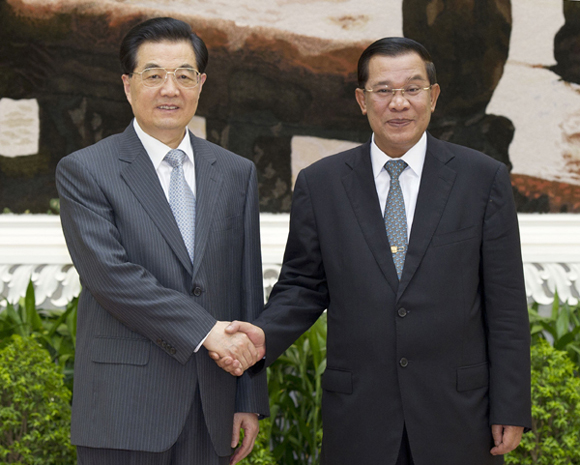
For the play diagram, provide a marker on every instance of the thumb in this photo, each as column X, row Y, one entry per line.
column 233, row 327
column 236, row 432
column 497, row 433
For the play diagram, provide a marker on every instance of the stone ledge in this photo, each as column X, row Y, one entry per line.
column 33, row 246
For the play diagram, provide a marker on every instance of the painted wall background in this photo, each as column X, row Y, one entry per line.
column 281, row 80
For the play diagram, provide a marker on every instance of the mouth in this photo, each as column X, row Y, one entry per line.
column 168, row 107
column 399, row 122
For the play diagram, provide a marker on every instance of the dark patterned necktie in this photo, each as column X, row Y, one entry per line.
column 395, row 217
column 181, row 199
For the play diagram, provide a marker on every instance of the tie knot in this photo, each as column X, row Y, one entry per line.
column 175, row 158
column 395, row 168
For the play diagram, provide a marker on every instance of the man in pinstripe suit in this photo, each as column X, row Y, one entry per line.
column 153, row 304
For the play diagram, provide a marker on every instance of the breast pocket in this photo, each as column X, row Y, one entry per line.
column 454, row 237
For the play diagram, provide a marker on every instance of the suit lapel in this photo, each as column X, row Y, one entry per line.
column 140, row 176
column 436, row 183
column 360, row 188
column 208, row 181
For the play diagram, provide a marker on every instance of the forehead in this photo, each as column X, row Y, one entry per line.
column 397, row 69
column 166, row 54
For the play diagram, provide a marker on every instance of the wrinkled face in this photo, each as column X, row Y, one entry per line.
column 398, row 121
column 163, row 112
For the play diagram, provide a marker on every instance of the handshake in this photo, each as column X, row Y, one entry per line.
column 236, row 346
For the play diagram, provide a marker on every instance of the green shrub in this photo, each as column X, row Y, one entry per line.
column 55, row 330
column 34, row 407
column 555, row 435
column 294, row 385
column 562, row 327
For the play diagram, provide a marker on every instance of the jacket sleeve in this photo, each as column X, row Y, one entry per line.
column 252, row 391
column 128, row 291
column 506, row 313
column 301, row 293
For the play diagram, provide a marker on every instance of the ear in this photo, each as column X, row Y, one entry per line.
column 127, row 86
column 435, row 91
column 202, row 79
column 360, row 98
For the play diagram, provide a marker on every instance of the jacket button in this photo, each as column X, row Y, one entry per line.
column 402, row 312
column 172, row 351
column 158, row 341
column 403, row 362
column 197, row 291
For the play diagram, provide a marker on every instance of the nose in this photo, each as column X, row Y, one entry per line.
column 398, row 101
column 170, row 86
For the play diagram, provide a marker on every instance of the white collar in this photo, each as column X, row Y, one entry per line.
column 415, row 156
column 157, row 149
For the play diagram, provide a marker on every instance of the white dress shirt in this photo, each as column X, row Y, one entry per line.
column 157, row 151
column 409, row 179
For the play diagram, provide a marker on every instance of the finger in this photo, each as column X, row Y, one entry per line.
column 243, row 363
column 243, row 349
column 511, row 437
column 236, row 430
column 234, row 370
column 500, row 450
column 254, row 333
column 225, row 362
column 244, row 450
column 230, row 365
column 213, row 355
column 233, row 327
column 497, row 433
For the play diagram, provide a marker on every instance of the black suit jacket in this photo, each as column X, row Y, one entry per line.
column 144, row 307
column 445, row 351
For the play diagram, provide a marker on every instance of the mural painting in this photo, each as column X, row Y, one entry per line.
column 281, row 81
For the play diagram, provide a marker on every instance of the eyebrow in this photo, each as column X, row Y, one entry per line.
column 155, row 65
column 417, row 77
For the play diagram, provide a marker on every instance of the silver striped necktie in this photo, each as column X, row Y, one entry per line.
column 395, row 217
column 181, row 199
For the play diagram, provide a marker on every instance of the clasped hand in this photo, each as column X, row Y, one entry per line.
column 236, row 346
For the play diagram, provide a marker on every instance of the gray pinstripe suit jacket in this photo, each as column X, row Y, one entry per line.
column 144, row 307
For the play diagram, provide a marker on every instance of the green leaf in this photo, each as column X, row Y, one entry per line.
column 32, row 317
column 60, row 320
column 567, row 338
column 71, row 321
column 18, row 325
column 549, row 328
column 555, row 305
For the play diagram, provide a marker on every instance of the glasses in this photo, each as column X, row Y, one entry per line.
column 386, row 93
column 156, row 77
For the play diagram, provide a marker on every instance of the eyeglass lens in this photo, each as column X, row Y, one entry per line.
column 386, row 92
column 155, row 77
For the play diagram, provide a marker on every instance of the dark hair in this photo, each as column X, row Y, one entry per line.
column 158, row 30
column 393, row 47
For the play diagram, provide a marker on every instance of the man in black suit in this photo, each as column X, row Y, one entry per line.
column 412, row 245
column 163, row 228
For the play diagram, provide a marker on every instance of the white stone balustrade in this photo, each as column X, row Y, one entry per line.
column 33, row 247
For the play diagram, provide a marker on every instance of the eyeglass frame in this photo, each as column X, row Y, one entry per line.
column 167, row 73
column 393, row 92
